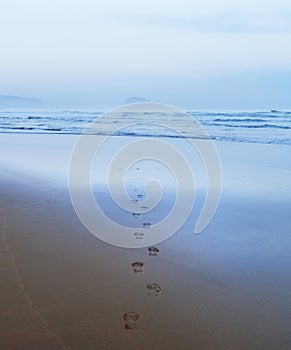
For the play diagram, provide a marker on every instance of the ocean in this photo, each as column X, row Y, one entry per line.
column 265, row 127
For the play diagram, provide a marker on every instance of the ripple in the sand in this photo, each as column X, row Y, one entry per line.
column 137, row 266
column 146, row 225
column 153, row 251
column 134, row 201
column 138, row 235
column 144, row 208
column 153, row 289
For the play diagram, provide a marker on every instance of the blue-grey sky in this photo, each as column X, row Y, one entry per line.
column 201, row 54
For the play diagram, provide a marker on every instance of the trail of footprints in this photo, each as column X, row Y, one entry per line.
column 151, row 289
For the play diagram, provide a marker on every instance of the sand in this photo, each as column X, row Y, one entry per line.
column 226, row 288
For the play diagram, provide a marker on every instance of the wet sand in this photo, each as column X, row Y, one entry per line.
column 226, row 288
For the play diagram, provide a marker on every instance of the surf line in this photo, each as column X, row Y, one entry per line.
column 19, row 279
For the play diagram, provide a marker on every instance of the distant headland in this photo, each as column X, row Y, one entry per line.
column 135, row 99
column 7, row 102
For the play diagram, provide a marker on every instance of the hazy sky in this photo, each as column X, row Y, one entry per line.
column 202, row 54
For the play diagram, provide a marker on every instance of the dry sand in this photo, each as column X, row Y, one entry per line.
column 227, row 288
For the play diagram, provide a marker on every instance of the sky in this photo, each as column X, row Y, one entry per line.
column 199, row 54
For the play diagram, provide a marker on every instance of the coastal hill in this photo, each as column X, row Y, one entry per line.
column 19, row 102
column 130, row 100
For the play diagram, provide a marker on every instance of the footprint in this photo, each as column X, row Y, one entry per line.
column 153, row 289
column 153, row 251
column 137, row 266
column 146, row 225
column 130, row 318
column 139, row 235
column 130, row 325
column 136, row 215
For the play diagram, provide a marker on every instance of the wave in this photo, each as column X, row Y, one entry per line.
column 238, row 120
column 280, row 112
column 239, row 126
column 252, row 126
column 32, row 117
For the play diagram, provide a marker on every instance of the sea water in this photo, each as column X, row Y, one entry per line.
column 266, row 127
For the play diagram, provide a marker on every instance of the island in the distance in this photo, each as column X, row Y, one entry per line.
column 7, row 102
column 135, row 99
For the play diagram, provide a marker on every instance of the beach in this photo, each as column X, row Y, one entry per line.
column 228, row 287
